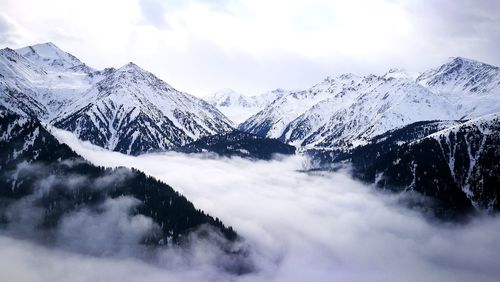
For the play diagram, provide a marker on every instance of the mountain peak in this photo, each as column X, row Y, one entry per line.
column 461, row 60
column 458, row 62
column 341, row 77
column 395, row 70
column 455, row 63
column 397, row 73
column 462, row 75
column 47, row 49
column 132, row 72
column 132, row 75
column 9, row 52
column 278, row 92
column 131, row 66
column 227, row 97
column 49, row 55
column 48, row 45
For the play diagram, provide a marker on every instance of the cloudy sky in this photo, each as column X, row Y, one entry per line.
column 253, row 46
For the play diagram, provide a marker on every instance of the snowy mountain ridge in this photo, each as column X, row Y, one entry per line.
column 126, row 109
column 349, row 110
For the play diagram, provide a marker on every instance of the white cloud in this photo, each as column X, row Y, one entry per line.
column 10, row 32
column 301, row 227
column 27, row 262
column 107, row 232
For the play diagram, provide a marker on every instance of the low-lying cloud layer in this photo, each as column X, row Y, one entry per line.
column 300, row 226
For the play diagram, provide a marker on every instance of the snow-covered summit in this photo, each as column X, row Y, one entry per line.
column 396, row 73
column 49, row 55
column 462, row 75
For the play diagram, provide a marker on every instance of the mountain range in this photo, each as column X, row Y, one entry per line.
column 434, row 132
column 132, row 111
column 348, row 110
column 128, row 109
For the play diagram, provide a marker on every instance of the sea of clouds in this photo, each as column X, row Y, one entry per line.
column 299, row 226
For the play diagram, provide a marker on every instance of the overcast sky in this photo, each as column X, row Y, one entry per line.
column 253, row 46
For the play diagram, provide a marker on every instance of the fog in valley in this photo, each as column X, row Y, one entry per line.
column 299, row 226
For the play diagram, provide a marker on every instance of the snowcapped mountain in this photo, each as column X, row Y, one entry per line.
column 472, row 87
column 131, row 110
column 372, row 107
column 50, row 56
column 274, row 118
column 127, row 109
column 349, row 110
column 228, row 97
column 238, row 107
column 461, row 75
column 38, row 87
column 401, row 74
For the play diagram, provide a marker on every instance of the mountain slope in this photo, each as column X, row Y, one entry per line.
column 127, row 109
column 455, row 163
column 45, row 186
